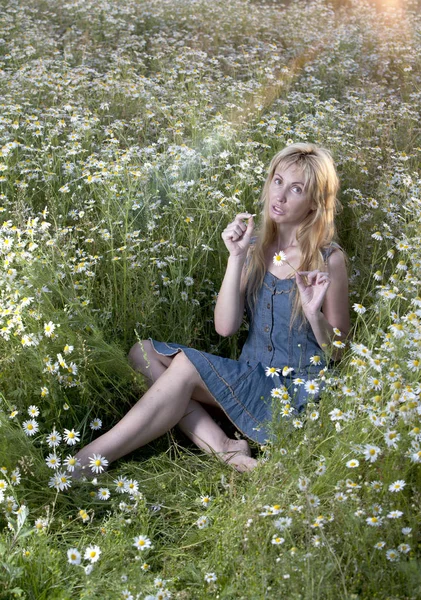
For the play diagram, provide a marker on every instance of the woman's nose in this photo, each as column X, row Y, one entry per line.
column 281, row 195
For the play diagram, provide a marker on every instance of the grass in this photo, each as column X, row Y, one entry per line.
column 131, row 134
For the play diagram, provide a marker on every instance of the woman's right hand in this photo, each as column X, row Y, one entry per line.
column 237, row 235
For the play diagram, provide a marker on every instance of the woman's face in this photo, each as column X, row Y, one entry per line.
column 288, row 201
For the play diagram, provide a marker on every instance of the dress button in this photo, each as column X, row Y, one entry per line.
column 266, row 327
column 270, row 348
column 268, row 304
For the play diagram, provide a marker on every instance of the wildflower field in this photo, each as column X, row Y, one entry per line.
column 131, row 133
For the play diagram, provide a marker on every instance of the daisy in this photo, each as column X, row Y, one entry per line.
column 279, row 258
column 120, row 484
column 286, row 371
column 70, row 462
column 97, row 463
column 15, row 476
column 404, row 548
column 33, row 411
column 206, row 500
column 30, row 427
column 95, row 424
column 395, row 514
column 271, row 371
column 311, row 386
column 298, row 381
column 277, row 393
column 392, row 555
column 83, row 515
column 92, row 553
column 142, row 543
column 374, row 521
column 371, row 453
column 60, row 481
column 359, row 308
column 397, row 486
column 379, row 545
column 210, row 577
column 53, row 461
column 277, row 540
column 353, row 463
column 202, row 522
column 103, row 493
column 71, row 436
column 132, row 487
column 314, row 415
column 392, row 438
column 73, row 556
column 53, row 439
column 315, row 360
column 49, row 329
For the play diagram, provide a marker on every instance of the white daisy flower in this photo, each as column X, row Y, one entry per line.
column 97, row 463
column 141, row 542
column 73, row 556
column 92, row 553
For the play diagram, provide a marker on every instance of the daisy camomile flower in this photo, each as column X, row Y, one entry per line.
column 353, row 463
column 70, row 462
column 286, row 371
column 73, row 556
column 311, row 386
column 53, row 439
column 53, row 461
column 271, row 371
column 210, row 577
column 141, row 542
column 92, row 553
column 103, row 494
column 30, row 427
column 202, row 522
column 33, row 411
column 97, row 463
column 206, row 500
column 277, row 540
column 71, row 436
column 95, row 424
column 397, row 486
column 279, row 258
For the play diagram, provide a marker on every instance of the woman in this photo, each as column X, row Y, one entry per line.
column 293, row 252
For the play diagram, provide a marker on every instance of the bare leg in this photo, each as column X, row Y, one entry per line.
column 166, row 403
column 196, row 423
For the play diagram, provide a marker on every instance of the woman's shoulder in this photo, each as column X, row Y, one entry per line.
column 328, row 250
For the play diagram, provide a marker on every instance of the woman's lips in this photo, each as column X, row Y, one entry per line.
column 277, row 210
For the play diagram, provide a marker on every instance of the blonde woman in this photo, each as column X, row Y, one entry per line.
column 291, row 278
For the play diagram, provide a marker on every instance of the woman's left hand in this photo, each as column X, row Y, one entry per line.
column 313, row 293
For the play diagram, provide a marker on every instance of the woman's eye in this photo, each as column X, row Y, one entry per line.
column 297, row 189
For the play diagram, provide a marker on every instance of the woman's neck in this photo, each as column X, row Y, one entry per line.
column 286, row 239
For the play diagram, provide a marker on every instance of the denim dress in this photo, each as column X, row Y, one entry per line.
column 241, row 387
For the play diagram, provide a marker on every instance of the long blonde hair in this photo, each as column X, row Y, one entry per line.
column 316, row 231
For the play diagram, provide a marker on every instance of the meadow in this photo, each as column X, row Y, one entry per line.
column 131, row 133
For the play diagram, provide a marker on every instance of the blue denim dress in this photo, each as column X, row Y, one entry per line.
column 241, row 387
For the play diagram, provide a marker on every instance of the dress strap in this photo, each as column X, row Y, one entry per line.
column 327, row 251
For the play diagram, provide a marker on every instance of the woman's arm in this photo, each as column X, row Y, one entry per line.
column 326, row 303
column 229, row 307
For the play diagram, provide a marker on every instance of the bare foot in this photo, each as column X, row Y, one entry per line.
column 238, row 455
